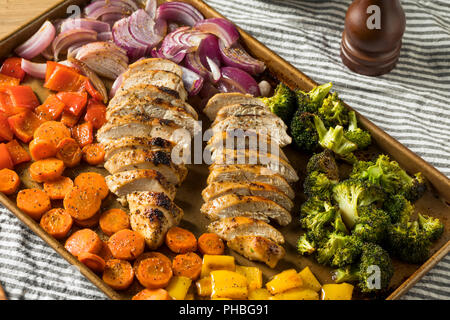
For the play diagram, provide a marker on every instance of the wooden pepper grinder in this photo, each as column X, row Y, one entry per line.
column 372, row 38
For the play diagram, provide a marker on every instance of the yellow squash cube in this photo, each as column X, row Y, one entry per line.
column 216, row 262
column 342, row 291
column 178, row 287
column 309, row 280
column 204, row 287
column 228, row 284
column 259, row 294
column 284, row 281
column 296, row 294
column 253, row 276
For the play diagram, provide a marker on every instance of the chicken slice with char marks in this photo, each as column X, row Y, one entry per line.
column 241, row 109
column 113, row 147
column 223, row 99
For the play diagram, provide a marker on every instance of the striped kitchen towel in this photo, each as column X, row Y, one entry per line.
column 410, row 103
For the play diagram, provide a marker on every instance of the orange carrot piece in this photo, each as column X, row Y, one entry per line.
column 33, row 202
column 210, row 243
column 9, row 181
column 93, row 180
column 113, row 221
column 118, row 274
column 18, row 153
column 84, row 240
column 126, row 244
column 94, row 154
column 88, row 223
column 154, row 273
column 181, row 240
column 58, row 189
column 69, row 120
column 147, row 255
column 52, row 131
column 42, row 149
column 187, row 265
column 147, row 294
column 105, row 253
column 46, row 170
column 82, row 203
column 92, row 261
column 69, row 152
column 83, row 134
column 57, row 223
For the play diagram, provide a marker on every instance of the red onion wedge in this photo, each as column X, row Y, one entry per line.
column 215, row 69
column 97, row 8
column 221, row 28
column 116, row 85
column 236, row 56
column 92, row 76
column 105, row 36
column 90, row 24
column 111, row 18
column 70, row 37
column 38, row 42
column 36, row 70
column 206, row 60
column 124, row 39
column 236, row 80
column 142, row 28
column 193, row 82
column 150, row 7
column 180, row 12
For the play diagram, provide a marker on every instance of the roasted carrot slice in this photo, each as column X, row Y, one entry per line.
column 84, row 240
column 181, row 240
column 42, row 149
column 6, row 161
column 118, row 274
column 46, row 170
column 69, row 152
column 17, row 152
column 82, row 203
column 113, row 221
column 187, row 265
column 126, row 244
column 52, row 131
column 147, row 255
column 89, row 223
column 69, row 120
column 210, row 243
column 157, row 294
column 9, row 181
column 105, row 253
column 154, row 273
column 58, row 189
column 92, row 261
column 57, row 223
column 33, row 202
column 93, row 180
column 94, row 154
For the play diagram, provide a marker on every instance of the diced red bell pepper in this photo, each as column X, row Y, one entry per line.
column 6, row 133
column 69, row 120
column 21, row 96
column 92, row 91
column 96, row 114
column 75, row 101
column 17, row 152
column 12, row 67
column 51, row 109
column 5, row 158
column 24, row 124
column 8, row 81
column 83, row 134
column 62, row 78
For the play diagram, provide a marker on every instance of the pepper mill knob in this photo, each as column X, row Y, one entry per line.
column 372, row 38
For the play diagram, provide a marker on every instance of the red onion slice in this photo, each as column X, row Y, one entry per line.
column 36, row 70
column 38, row 42
column 70, row 37
column 193, row 82
column 180, row 12
column 123, row 38
column 151, row 7
column 141, row 27
column 90, row 24
column 116, row 85
column 236, row 80
column 221, row 28
column 194, row 63
column 93, row 77
column 120, row 6
column 215, row 70
column 180, row 42
column 105, row 36
column 236, row 56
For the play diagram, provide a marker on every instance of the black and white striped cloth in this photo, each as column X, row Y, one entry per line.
column 410, row 103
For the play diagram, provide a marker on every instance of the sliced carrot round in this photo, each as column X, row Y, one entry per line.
column 154, row 273
column 33, row 202
column 210, row 243
column 92, row 261
column 113, row 221
column 84, row 240
column 9, row 181
column 105, row 253
column 181, row 240
column 69, row 152
column 187, row 265
column 52, row 131
column 94, row 154
column 147, row 255
column 118, row 274
column 42, row 149
column 57, row 223
column 82, row 203
column 46, row 170
column 126, row 244
column 93, row 180
column 88, row 223
column 58, row 189
column 157, row 294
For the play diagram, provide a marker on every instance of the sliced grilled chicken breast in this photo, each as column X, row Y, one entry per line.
column 259, row 208
column 144, row 159
column 269, row 125
column 157, row 78
column 154, row 64
column 124, row 183
column 258, row 248
column 264, row 190
column 249, row 174
column 240, row 109
column 223, row 99
column 230, row 228
column 152, row 214
column 133, row 143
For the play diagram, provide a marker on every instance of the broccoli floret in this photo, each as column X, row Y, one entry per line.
column 361, row 138
column 318, row 185
column 352, row 194
column 316, row 216
column 398, row 208
column 372, row 224
column 415, row 187
column 374, row 259
column 305, row 246
column 304, row 132
column 333, row 112
column 339, row 225
column 432, row 227
column 311, row 101
column 339, row 250
column 324, row 162
column 283, row 103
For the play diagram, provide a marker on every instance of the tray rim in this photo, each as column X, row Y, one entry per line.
column 436, row 178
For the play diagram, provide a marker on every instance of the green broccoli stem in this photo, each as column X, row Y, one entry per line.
column 318, row 94
column 346, row 274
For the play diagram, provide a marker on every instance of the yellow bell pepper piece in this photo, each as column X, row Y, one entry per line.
column 178, row 287
column 296, row 294
column 204, row 287
column 253, row 276
column 309, row 280
column 216, row 262
column 259, row 294
column 342, row 291
column 284, row 281
column 228, row 284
